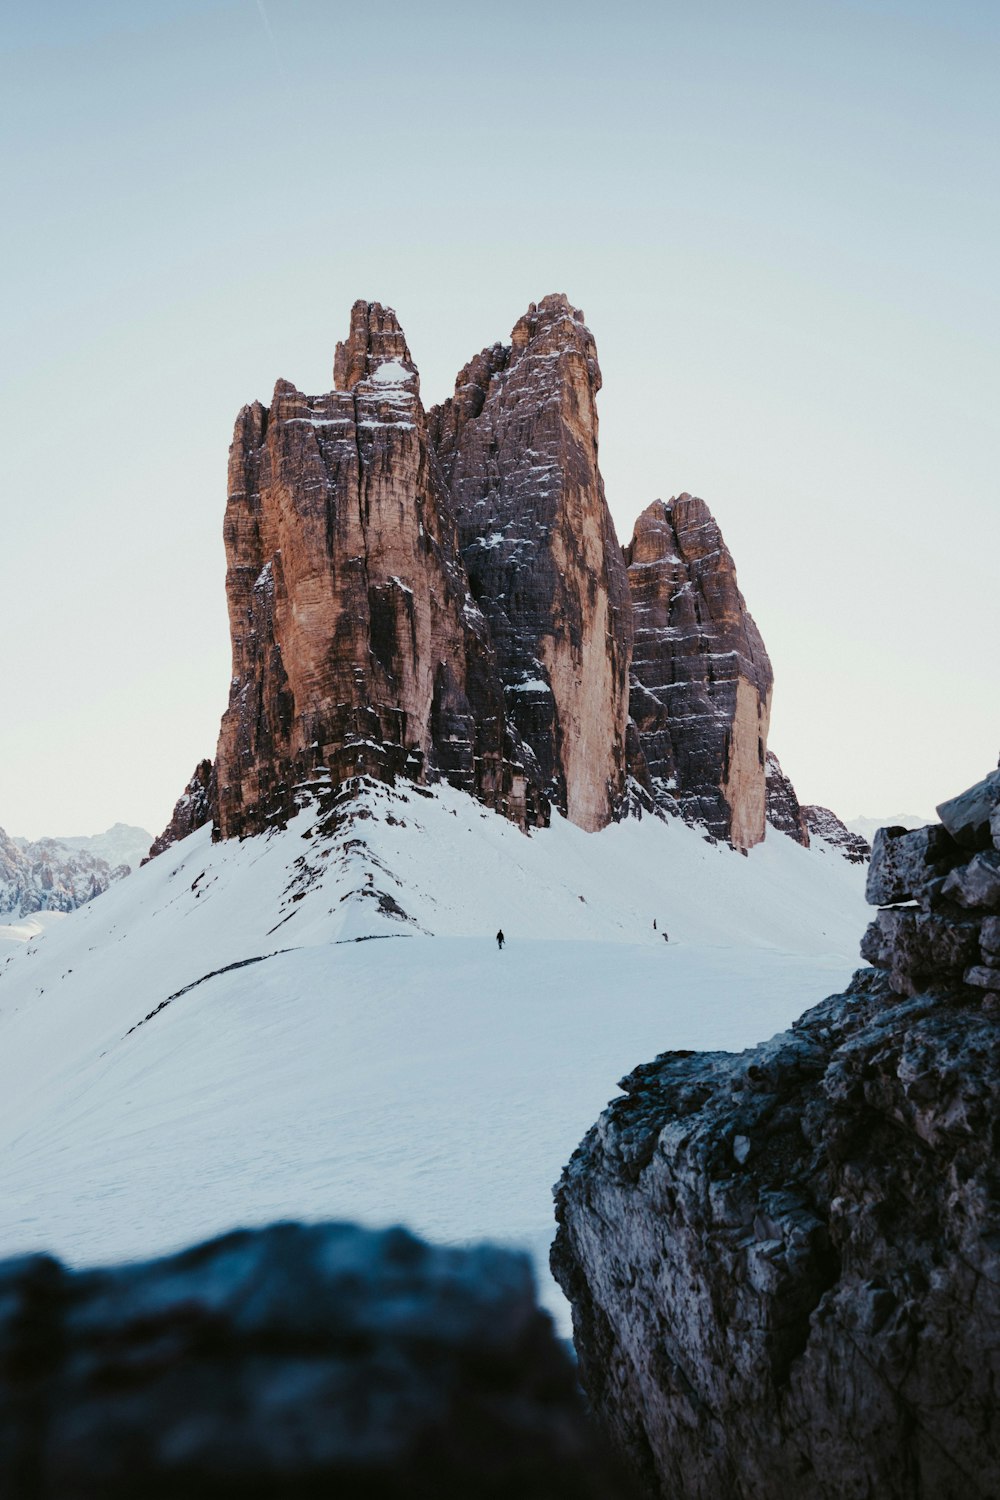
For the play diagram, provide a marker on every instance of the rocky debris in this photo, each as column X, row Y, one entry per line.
column 192, row 809
column 356, row 644
column 824, row 824
column 291, row 1361
column 46, row 875
column 783, row 811
column 701, row 678
column 517, row 445
column 785, row 1265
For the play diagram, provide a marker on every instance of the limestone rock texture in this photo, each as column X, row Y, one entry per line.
column 783, row 811
column 517, row 445
column 784, row 1265
column 701, row 678
column 290, row 1362
column 193, row 809
column 356, row 644
column 824, row 824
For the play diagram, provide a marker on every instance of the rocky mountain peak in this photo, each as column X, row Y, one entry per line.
column 517, row 445
column 442, row 595
column 701, row 678
column 374, row 345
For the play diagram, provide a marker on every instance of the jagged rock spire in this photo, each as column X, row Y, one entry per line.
column 701, row 678
column 517, row 445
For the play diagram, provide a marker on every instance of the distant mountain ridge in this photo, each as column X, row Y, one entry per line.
column 60, row 874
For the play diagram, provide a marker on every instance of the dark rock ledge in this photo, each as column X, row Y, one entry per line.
column 785, row 1265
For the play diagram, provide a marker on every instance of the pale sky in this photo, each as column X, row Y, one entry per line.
column 780, row 219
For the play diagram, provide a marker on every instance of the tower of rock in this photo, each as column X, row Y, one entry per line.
column 517, row 444
column 356, row 646
column 701, row 678
column 441, row 595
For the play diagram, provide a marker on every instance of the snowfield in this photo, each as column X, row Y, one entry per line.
column 378, row 1064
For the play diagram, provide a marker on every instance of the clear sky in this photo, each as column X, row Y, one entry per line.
column 781, row 220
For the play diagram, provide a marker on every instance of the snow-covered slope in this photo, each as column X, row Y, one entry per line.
column 214, row 1042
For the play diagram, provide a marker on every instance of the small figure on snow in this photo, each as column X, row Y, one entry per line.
column 500, row 938
column 654, row 924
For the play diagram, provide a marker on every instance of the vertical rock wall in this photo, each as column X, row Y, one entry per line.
column 518, row 448
column 356, row 646
column 701, row 678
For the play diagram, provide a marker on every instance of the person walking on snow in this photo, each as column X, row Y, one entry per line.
column 500, row 938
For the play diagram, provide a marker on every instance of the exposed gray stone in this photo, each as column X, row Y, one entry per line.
column 820, row 1321
column 784, row 1266
column 983, row 977
column 904, row 862
column 289, row 1362
column 989, row 939
column 967, row 816
column 783, row 810
column 976, row 884
column 919, row 946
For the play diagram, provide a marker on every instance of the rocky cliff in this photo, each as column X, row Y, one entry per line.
column 701, row 679
column 785, row 1265
column 290, row 1362
column 442, row 595
column 356, row 645
column 517, row 444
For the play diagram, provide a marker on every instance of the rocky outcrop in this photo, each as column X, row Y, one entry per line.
column 193, row 809
column 290, row 1362
column 783, row 811
column 824, row 824
column 701, row 679
column 356, row 645
column 785, row 1265
column 46, row 875
column 517, row 444
column 442, row 595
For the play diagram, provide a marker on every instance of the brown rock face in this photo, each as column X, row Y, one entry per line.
column 356, row 646
column 701, row 679
column 517, row 445
column 443, row 595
